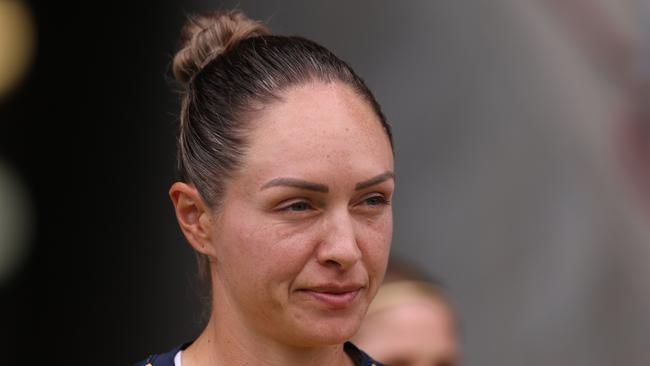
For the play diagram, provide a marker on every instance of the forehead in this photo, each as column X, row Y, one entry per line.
column 326, row 123
column 424, row 327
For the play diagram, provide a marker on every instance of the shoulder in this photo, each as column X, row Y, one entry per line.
column 162, row 359
column 359, row 357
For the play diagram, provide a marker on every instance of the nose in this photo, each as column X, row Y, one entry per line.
column 339, row 247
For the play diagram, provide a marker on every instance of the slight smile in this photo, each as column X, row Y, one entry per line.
column 333, row 296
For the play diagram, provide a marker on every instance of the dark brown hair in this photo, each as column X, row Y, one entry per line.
column 228, row 65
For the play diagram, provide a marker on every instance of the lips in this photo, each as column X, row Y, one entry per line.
column 333, row 296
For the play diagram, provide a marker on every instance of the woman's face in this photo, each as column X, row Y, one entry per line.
column 302, row 238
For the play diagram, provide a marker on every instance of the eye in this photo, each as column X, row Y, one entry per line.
column 376, row 200
column 295, row 206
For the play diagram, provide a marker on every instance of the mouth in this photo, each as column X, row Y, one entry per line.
column 333, row 297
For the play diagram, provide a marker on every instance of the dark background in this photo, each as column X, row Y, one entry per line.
column 78, row 130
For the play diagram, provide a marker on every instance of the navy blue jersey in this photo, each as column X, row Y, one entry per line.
column 359, row 357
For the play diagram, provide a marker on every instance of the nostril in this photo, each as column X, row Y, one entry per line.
column 332, row 263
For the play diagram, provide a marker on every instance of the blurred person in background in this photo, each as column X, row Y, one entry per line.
column 411, row 321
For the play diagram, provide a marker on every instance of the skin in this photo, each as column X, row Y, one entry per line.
column 421, row 333
column 300, row 244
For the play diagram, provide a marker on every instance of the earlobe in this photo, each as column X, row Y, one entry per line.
column 193, row 215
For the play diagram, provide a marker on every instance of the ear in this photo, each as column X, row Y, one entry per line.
column 194, row 217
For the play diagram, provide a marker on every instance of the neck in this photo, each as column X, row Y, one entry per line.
column 226, row 341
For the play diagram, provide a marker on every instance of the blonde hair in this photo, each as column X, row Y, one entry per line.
column 406, row 292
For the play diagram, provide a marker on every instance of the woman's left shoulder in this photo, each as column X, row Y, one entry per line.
column 163, row 359
column 359, row 357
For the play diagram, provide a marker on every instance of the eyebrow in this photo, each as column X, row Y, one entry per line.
column 317, row 187
column 297, row 183
column 373, row 181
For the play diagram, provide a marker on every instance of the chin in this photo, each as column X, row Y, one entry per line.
column 328, row 331
column 311, row 322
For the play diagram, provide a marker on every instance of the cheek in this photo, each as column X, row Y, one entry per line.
column 380, row 232
column 268, row 251
column 375, row 241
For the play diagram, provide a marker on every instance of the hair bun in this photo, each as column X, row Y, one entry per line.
column 206, row 36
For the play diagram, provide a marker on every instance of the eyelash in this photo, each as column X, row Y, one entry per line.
column 290, row 207
column 380, row 200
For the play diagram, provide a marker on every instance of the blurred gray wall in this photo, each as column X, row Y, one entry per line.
column 509, row 190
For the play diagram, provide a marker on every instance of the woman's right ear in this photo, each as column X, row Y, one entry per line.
column 194, row 217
